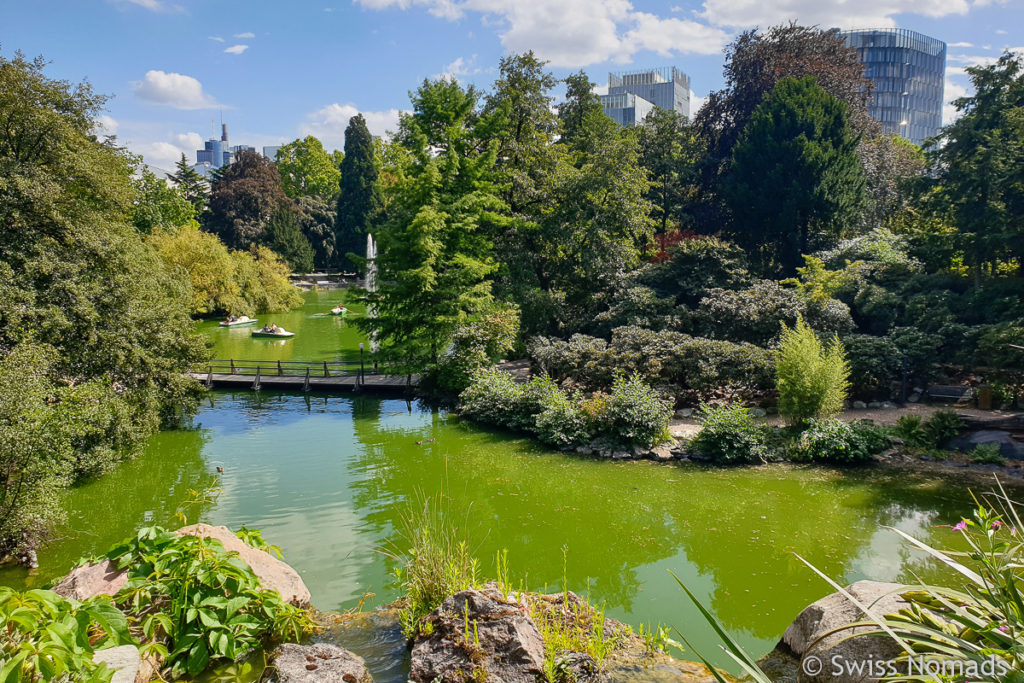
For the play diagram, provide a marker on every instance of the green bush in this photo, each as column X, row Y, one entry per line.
column 695, row 266
column 488, row 397
column 729, row 435
column 812, row 378
column 987, row 454
column 834, row 441
column 908, row 428
column 475, row 345
column 940, row 427
column 875, row 363
column 635, row 414
column 562, row 423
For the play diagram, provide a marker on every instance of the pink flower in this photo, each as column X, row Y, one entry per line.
column 1003, row 628
column 961, row 526
column 997, row 524
column 1013, row 531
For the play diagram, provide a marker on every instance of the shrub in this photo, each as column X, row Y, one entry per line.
column 562, row 423
column 940, row 427
column 908, row 428
column 488, row 397
column 474, row 346
column 812, row 378
column 834, row 441
column 729, row 434
column 635, row 414
column 694, row 267
column 874, row 364
column 639, row 306
column 987, row 454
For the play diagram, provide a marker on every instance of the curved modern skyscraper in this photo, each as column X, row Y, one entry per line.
column 909, row 71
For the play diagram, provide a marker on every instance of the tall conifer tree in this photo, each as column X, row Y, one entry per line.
column 357, row 200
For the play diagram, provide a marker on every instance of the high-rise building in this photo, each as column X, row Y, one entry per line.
column 908, row 69
column 270, row 151
column 633, row 94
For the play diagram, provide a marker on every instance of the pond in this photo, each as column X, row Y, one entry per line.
column 328, row 479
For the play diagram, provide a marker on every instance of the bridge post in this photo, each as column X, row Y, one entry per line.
column 256, row 382
column 327, row 373
column 305, row 385
column 232, row 366
column 209, row 378
column 279, row 373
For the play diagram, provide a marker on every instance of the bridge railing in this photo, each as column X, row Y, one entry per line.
column 295, row 368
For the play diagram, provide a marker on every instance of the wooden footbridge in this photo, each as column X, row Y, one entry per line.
column 293, row 375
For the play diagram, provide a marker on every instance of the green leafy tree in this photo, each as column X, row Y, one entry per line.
column 357, row 200
column 795, row 177
column 191, row 185
column 979, row 165
column 307, row 170
column 98, row 320
column 244, row 197
column 580, row 102
column 159, row 205
column 813, row 379
column 670, row 149
column 317, row 217
column 434, row 261
column 285, row 238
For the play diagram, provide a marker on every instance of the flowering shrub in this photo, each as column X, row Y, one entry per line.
column 729, row 435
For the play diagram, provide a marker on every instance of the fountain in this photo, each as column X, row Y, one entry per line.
column 371, row 289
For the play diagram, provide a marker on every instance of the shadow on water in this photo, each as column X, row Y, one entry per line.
column 328, row 478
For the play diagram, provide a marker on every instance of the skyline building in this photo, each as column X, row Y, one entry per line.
column 908, row 69
column 632, row 95
column 218, row 153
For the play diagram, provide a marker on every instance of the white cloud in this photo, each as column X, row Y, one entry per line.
column 1001, row 32
column 575, row 33
column 236, row 49
column 696, row 102
column 600, row 88
column 247, row 34
column 460, row 66
column 152, row 5
column 825, row 13
column 174, row 90
column 216, row 38
column 960, row 44
column 328, row 123
column 105, row 125
column 164, row 154
column 954, row 90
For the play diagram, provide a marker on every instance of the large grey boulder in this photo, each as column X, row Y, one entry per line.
column 319, row 663
column 1008, row 446
column 90, row 580
column 502, row 642
column 804, row 636
column 124, row 660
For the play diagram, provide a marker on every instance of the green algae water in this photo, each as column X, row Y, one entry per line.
column 318, row 334
column 329, row 478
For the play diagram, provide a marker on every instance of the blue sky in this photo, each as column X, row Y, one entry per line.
column 284, row 69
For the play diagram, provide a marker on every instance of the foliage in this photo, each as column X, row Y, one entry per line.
column 190, row 185
column 473, row 347
column 205, row 602
column 569, row 625
column 224, row 281
column 244, row 197
column 755, row 314
column 316, row 217
column 932, row 433
column 695, row 267
column 639, row 306
column 50, row 638
column 307, row 169
column 159, row 205
column 987, row 454
column 358, row 198
column 799, row 150
column 635, row 414
column 892, row 165
column 874, row 365
column 284, row 236
column 488, row 397
column 435, row 557
column 102, row 323
column 562, row 423
column 833, row 441
column 580, row 104
column 670, row 149
column 729, row 435
column 812, row 378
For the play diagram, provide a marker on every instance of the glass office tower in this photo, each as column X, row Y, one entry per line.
column 908, row 69
column 633, row 94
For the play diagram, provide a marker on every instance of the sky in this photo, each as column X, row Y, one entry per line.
column 278, row 70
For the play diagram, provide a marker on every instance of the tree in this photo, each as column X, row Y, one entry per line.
column 580, row 102
column 813, row 379
column 95, row 336
column 891, row 165
column 285, row 238
column 795, row 175
column 243, row 198
column 357, row 199
column 755, row 62
column 978, row 164
column 317, row 218
column 307, row 170
column 159, row 205
column 670, row 150
column 434, row 261
column 191, row 185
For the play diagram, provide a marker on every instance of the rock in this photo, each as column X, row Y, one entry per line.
column 859, row 405
column 124, row 660
column 319, row 663
column 758, row 412
column 662, row 453
column 684, row 413
column 272, row 572
column 621, row 455
column 584, row 450
column 834, row 611
column 91, row 580
column 888, row 406
column 579, row 667
column 914, row 397
column 1008, row 446
column 772, row 410
column 874, row 405
column 503, row 643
